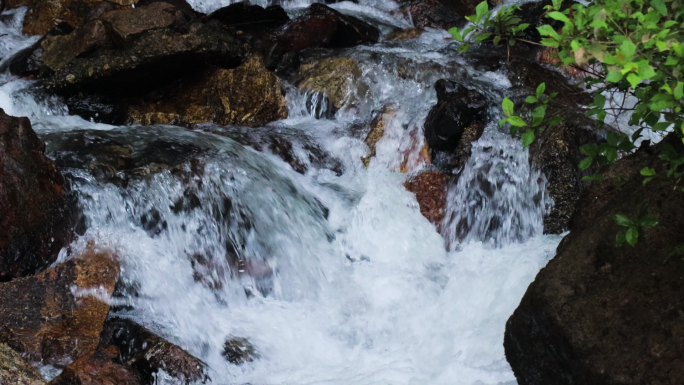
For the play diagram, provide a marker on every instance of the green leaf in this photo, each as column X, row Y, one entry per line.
column 628, row 49
column 620, row 238
column 646, row 180
column 528, row 137
column 556, row 120
column 648, row 222
column 633, row 79
column 507, row 106
column 592, row 178
column 622, row 220
column 547, row 41
column 558, row 16
column 540, row 90
column 497, row 39
column 586, row 163
column 632, row 235
column 679, row 91
column 659, row 5
column 502, row 122
column 661, row 126
column 456, row 33
column 482, row 36
column 614, row 76
column 463, row 48
column 646, row 171
column 589, row 149
column 481, row 9
column 599, row 101
column 646, row 72
column 612, row 139
column 531, row 99
column 547, row 30
column 516, row 121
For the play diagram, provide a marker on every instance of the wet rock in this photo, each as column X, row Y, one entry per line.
column 14, row 369
column 238, row 351
column 53, row 316
column 405, row 34
column 381, row 120
column 457, row 108
column 9, row 4
column 118, row 156
column 102, row 368
column 432, row 14
column 323, row 26
column 599, row 314
column 58, row 51
column 153, row 59
column 430, row 188
column 251, row 18
column 148, row 353
column 337, row 77
column 43, row 15
column 248, row 95
column 34, row 201
column 462, row 152
column 556, row 151
column 29, row 61
column 125, row 23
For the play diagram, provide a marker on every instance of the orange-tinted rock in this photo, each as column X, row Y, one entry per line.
column 416, row 154
column 43, row 15
column 405, row 34
column 430, row 188
column 127, row 22
column 249, row 95
column 51, row 317
column 34, row 207
column 101, row 368
column 148, row 353
column 377, row 131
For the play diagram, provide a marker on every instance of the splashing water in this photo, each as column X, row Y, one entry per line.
column 334, row 277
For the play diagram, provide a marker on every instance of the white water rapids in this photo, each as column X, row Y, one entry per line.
column 368, row 295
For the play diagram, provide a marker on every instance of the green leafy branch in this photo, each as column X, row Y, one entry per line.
column 532, row 114
column 633, row 227
column 504, row 25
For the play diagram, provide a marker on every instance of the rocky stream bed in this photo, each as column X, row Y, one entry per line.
column 286, row 192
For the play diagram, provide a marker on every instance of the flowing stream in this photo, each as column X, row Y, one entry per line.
column 333, row 275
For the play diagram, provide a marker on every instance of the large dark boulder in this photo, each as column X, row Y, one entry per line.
column 43, row 15
column 251, row 18
column 323, row 26
column 34, row 202
column 154, row 58
column 457, row 108
column 601, row 314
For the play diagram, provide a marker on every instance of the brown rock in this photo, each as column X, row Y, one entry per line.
column 35, row 219
column 405, row 34
column 337, row 77
column 43, row 15
column 15, row 370
column 45, row 316
column 127, row 22
column 323, row 26
column 148, row 353
column 430, row 188
column 123, row 2
column 249, row 95
column 9, row 4
column 601, row 314
column 155, row 58
column 432, row 14
column 100, row 368
column 377, row 131
column 60, row 50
